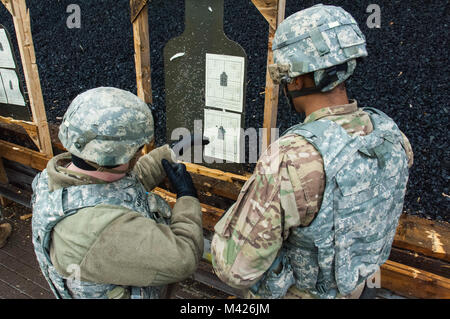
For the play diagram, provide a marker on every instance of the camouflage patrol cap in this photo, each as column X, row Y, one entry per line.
column 106, row 126
column 315, row 39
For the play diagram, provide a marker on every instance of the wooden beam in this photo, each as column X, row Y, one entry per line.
column 136, row 7
column 4, row 201
column 272, row 90
column 211, row 214
column 23, row 155
column 7, row 4
column 215, row 173
column 22, row 24
column 142, row 55
column 30, row 128
column 413, row 259
column 271, row 99
column 412, row 282
column 3, row 176
column 10, row 193
column 269, row 10
column 431, row 238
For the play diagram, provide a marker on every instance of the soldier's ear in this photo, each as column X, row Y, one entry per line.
column 297, row 83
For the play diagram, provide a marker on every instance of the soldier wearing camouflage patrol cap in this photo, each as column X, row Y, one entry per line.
column 319, row 214
column 98, row 230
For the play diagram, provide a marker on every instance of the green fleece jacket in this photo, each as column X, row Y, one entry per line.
column 115, row 245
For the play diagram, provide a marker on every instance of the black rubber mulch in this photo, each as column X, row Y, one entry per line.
column 406, row 74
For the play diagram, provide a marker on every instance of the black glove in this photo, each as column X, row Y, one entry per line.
column 179, row 179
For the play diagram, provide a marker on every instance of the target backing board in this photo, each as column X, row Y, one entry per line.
column 12, row 97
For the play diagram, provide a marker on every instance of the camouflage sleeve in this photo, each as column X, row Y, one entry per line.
column 408, row 150
column 248, row 236
column 121, row 247
column 285, row 191
column 149, row 169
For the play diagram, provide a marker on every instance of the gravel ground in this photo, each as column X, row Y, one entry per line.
column 406, row 74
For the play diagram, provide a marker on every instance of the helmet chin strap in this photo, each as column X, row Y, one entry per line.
column 330, row 77
column 91, row 166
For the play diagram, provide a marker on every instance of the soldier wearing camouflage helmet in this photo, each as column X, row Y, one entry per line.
column 319, row 214
column 98, row 230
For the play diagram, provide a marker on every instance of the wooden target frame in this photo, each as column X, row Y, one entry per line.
column 37, row 129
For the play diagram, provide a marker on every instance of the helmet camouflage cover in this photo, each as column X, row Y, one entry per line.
column 315, row 39
column 106, row 126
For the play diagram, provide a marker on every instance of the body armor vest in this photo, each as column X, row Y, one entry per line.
column 49, row 208
column 352, row 234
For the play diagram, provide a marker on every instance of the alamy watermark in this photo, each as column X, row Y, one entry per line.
column 374, row 19
column 242, row 145
column 75, row 274
column 74, row 19
column 374, row 281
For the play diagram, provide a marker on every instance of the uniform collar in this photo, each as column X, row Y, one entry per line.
column 59, row 176
column 332, row 111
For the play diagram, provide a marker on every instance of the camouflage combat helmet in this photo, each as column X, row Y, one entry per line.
column 322, row 39
column 106, row 126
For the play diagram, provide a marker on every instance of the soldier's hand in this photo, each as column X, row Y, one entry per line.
column 179, row 178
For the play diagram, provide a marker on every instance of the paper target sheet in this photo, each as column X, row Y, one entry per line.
column 225, row 81
column 6, row 54
column 224, row 132
column 11, row 87
column 3, row 98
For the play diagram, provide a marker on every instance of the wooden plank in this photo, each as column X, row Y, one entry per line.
column 136, row 7
column 22, row 24
column 3, row 179
column 10, row 193
column 271, row 98
column 17, row 153
column 54, row 130
column 191, row 289
column 272, row 90
column 412, row 282
column 205, row 274
column 413, row 259
column 142, row 55
column 33, row 275
column 217, row 182
column 7, row 4
column 141, row 38
column 431, row 238
column 8, row 291
column 30, row 128
column 211, row 214
column 269, row 10
column 3, row 176
column 21, row 283
column 19, row 178
column 215, row 173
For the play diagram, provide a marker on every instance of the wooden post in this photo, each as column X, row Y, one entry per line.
column 21, row 18
column 139, row 18
column 142, row 55
column 3, row 179
column 271, row 100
